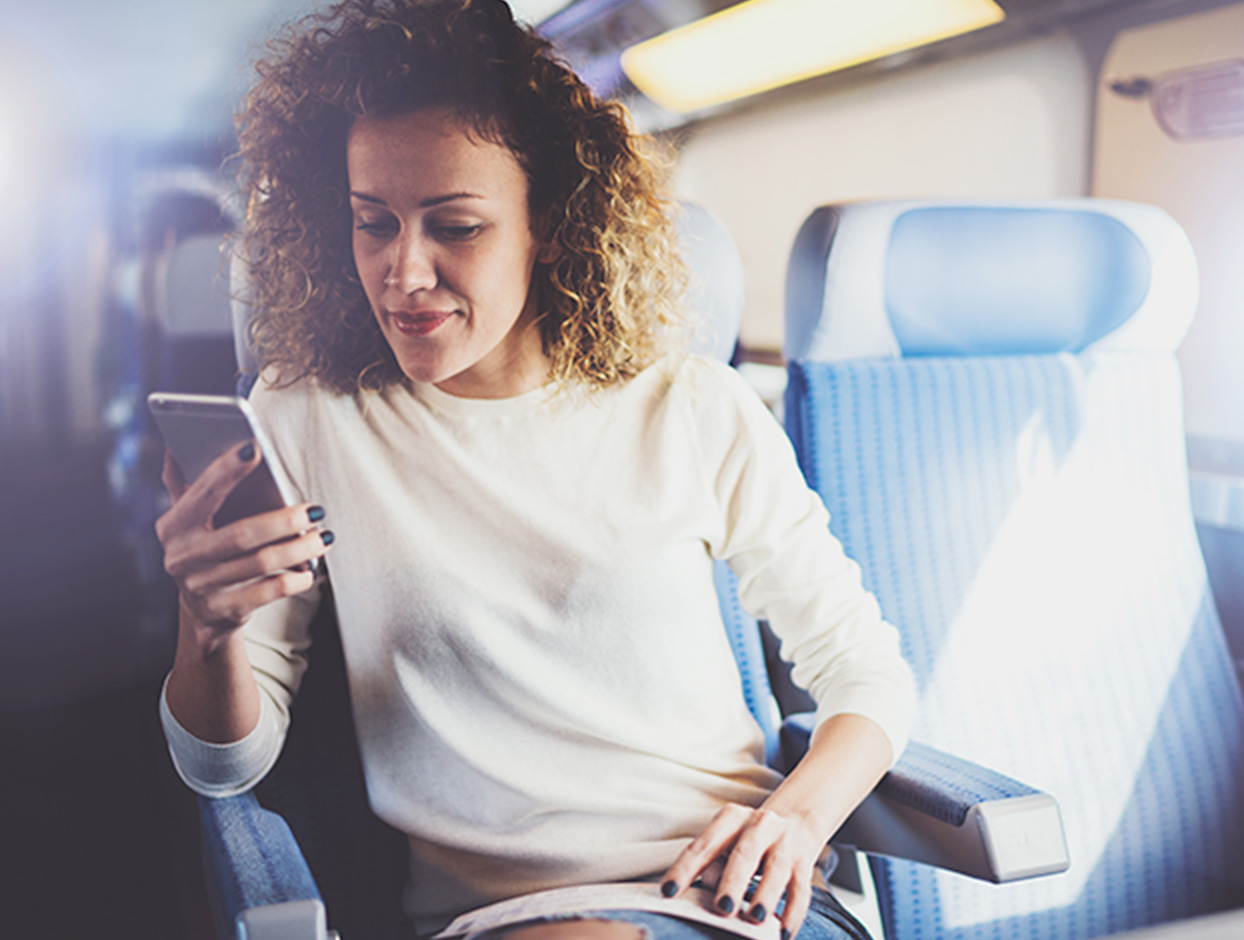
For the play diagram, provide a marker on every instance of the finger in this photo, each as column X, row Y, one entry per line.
column 253, row 532
column 711, row 875
column 290, row 554
column 798, row 897
column 188, row 551
column 779, row 871
column 172, row 477
column 745, row 859
column 704, row 849
column 207, row 494
column 232, row 606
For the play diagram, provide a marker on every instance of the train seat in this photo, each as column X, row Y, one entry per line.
column 193, row 304
column 986, row 396
column 716, row 292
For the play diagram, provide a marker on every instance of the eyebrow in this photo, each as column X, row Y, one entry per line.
column 424, row 204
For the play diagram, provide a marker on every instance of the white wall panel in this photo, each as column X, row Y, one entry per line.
column 1200, row 183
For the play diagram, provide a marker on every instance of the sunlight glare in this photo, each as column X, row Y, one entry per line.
column 1065, row 572
column 30, row 151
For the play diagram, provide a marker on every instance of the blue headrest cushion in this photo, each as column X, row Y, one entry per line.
column 987, row 278
column 991, row 281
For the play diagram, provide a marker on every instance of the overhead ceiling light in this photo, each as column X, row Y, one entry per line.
column 762, row 44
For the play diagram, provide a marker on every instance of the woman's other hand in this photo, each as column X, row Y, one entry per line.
column 779, row 842
column 781, row 850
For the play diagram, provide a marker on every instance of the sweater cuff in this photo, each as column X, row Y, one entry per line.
column 219, row 770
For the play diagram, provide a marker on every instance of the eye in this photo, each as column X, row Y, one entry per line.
column 457, row 233
column 377, row 228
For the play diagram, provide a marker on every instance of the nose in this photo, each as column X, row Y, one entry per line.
column 413, row 267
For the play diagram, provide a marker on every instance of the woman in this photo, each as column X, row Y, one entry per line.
column 467, row 290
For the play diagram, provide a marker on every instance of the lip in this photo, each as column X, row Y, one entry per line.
column 418, row 323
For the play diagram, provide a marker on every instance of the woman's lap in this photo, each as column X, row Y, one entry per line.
column 826, row 920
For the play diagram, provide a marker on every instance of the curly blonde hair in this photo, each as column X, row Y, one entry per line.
column 610, row 302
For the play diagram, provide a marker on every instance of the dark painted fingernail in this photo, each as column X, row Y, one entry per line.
column 785, row 934
column 328, row 537
column 670, row 888
column 315, row 513
column 758, row 913
column 246, row 453
column 725, row 904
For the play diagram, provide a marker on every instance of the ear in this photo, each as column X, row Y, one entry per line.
column 546, row 231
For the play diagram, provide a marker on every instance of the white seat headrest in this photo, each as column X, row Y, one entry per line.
column 987, row 277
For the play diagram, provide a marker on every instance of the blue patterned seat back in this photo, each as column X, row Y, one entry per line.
column 1023, row 517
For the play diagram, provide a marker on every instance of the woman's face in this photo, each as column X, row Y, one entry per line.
column 444, row 248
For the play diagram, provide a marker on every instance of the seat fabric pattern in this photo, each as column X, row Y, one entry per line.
column 249, row 832
column 749, row 654
column 942, row 790
column 1024, row 520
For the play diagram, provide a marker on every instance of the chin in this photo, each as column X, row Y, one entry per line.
column 422, row 375
column 427, row 373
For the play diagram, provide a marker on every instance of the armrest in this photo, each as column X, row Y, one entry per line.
column 260, row 885
column 945, row 811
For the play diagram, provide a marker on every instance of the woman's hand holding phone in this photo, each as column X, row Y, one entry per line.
column 233, row 541
column 224, row 575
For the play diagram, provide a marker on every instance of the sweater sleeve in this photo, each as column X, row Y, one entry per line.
column 277, row 644
column 792, row 571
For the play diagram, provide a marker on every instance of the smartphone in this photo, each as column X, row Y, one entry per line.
column 199, row 428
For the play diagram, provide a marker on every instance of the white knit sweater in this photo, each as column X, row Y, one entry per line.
column 525, row 597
